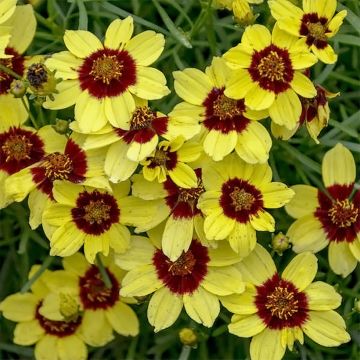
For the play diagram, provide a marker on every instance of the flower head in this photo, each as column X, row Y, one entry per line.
column 277, row 310
column 330, row 216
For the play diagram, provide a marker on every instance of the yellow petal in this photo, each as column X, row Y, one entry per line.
column 37, row 202
column 355, row 248
column 239, row 84
column 123, row 319
column 283, row 9
column 304, row 201
column 282, row 132
column 338, row 166
column 322, row 296
column 69, row 92
column 307, row 234
column 119, row 236
column 13, row 112
column 57, row 214
column 7, row 8
column 202, row 306
column 76, row 264
column 259, row 99
column 242, row 239
column 139, row 151
column 256, row 37
column 341, row 259
column 218, row 72
column 276, row 194
column 223, row 255
column 243, row 304
column 119, row 110
column 327, row 55
column 302, row 85
column 327, row 328
column 335, row 22
column 267, row 345
column 263, row 221
column 282, row 38
column 164, row 308
column 238, row 56
column 246, row 325
column 217, row 226
column 94, row 245
column 19, row 185
column 28, row 333
column 119, row 33
column 66, row 192
column 81, row 43
column 46, row 348
column 65, row 64
column 300, row 57
column 301, row 270
column 326, row 8
column 218, row 145
column 70, row 347
column 184, row 176
column 19, row 307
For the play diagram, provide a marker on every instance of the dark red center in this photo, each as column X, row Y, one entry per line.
column 339, row 215
column 57, row 328
column 19, row 148
column 280, row 304
column 93, row 292
column 184, row 275
column 163, row 157
column 95, row 212
column 272, row 69
column 315, row 29
column 183, row 202
column 240, row 200
column 224, row 114
column 16, row 64
column 144, row 125
column 71, row 166
column 310, row 107
column 107, row 73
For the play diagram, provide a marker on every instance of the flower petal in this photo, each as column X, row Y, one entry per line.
column 267, row 345
column 123, row 319
column 246, row 325
column 322, row 296
column 341, row 259
column 81, row 43
column 119, row 33
column 304, row 201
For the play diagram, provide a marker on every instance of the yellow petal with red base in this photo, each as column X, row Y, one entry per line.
column 304, row 201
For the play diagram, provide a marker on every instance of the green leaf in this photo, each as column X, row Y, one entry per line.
column 83, row 16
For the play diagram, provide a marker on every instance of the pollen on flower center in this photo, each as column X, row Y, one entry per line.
column 97, row 212
column 183, row 265
column 17, row 147
column 142, row 118
column 106, row 68
column 272, row 67
column 343, row 213
column 225, row 108
column 37, row 75
column 317, row 30
column 7, row 63
column 282, row 303
column 57, row 166
column 241, row 199
column 160, row 157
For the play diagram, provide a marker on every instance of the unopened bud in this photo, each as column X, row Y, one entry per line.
column 61, row 126
column 280, row 243
column 42, row 81
column 357, row 306
column 18, row 88
column 188, row 337
column 243, row 13
column 69, row 308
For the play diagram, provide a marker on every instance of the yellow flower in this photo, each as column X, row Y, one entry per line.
column 194, row 281
column 92, row 217
column 235, row 199
column 277, row 310
column 267, row 73
column 228, row 124
column 101, row 79
column 53, row 339
column 7, row 9
column 80, row 288
column 170, row 158
column 330, row 217
column 315, row 22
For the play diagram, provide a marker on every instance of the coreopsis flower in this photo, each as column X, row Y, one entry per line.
column 93, row 217
column 66, row 161
column 22, row 25
column 235, row 199
column 176, row 206
column 268, row 73
column 277, row 310
column 330, row 216
column 7, row 9
column 103, row 310
column 171, row 158
column 194, row 281
column 53, row 339
column 315, row 115
column 315, row 22
column 228, row 123
column 101, row 79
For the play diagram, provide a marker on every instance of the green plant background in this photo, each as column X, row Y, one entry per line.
column 194, row 34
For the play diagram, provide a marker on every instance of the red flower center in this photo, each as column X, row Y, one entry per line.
column 184, row 275
column 163, row 157
column 16, row 64
column 272, row 69
column 19, row 148
column 107, row 73
column 280, row 304
column 224, row 114
column 93, row 292
column 315, row 29
column 240, row 200
column 343, row 213
column 57, row 166
column 57, row 328
column 95, row 212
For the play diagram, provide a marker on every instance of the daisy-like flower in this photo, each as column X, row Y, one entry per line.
column 315, row 116
column 101, row 79
column 194, row 281
column 315, row 22
column 277, row 310
column 267, row 73
column 330, row 217
column 22, row 25
column 52, row 339
column 103, row 310
column 235, row 199
column 7, row 9
column 67, row 161
column 228, row 123
column 177, row 207
column 92, row 217
column 170, row 158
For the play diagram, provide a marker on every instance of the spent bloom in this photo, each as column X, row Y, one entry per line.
column 329, row 217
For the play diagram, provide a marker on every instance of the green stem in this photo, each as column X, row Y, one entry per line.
column 38, row 273
column 103, row 272
column 185, row 352
column 10, row 72
column 32, row 118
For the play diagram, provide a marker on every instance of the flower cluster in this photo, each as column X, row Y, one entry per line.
column 167, row 208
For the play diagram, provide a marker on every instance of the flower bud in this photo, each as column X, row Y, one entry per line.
column 357, row 305
column 69, row 308
column 18, row 88
column 243, row 13
column 188, row 337
column 61, row 126
column 280, row 243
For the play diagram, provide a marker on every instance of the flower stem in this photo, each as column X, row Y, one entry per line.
column 37, row 274
column 103, row 272
column 32, row 118
column 10, row 72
